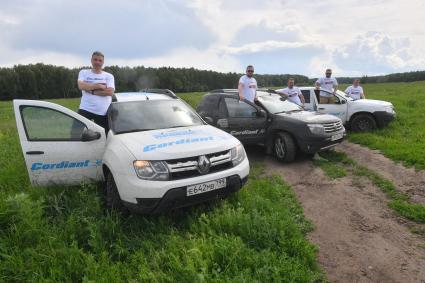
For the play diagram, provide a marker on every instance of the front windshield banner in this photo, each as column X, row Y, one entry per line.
column 137, row 116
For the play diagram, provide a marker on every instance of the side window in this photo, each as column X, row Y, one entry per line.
column 44, row 124
column 239, row 109
column 306, row 94
column 336, row 99
column 205, row 105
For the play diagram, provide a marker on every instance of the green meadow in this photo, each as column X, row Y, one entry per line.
column 257, row 235
column 65, row 234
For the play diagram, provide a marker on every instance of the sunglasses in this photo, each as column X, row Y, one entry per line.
column 328, row 73
column 250, row 71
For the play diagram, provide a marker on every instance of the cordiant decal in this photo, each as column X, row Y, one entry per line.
column 178, row 133
column 151, row 147
column 66, row 164
column 247, row 132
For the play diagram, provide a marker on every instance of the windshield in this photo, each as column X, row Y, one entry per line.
column 274, row 104
column 343, row 94
column 134, row 116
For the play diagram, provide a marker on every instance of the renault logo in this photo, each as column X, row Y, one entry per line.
column 204, row 164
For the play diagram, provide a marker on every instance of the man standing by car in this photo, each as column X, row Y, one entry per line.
column 355, row 91
column 293, row 93
column 327, row 83
column 247, row 87
column 97, row 87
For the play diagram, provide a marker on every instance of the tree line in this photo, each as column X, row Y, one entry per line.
column 40, row 81
column 391, row 78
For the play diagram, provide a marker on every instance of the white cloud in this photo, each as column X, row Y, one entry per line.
column 376, row 53
column 278, row 36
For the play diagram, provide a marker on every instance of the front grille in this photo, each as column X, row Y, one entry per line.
column 333, row 127
column 188, row 167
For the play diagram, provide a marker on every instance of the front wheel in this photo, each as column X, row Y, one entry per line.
column 112, row 197
column 363, row 123
column 284, row 147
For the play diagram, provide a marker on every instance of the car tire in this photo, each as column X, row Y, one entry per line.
column 112, row 197
column 284, row 147
column 363, row 123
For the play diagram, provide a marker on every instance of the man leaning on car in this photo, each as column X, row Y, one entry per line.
column 97, row 87
column 247, row 87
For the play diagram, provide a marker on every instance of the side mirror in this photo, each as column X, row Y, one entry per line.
column 90, row 135
column 261, row 113
column 209, row 120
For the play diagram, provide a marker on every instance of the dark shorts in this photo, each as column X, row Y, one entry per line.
column 101, row 120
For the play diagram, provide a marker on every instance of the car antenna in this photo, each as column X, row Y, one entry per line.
column 144, row 92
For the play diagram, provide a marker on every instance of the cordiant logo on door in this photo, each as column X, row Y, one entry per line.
column 65, row 164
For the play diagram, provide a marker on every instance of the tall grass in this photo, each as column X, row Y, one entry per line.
column 64, row 234
column 403, row 140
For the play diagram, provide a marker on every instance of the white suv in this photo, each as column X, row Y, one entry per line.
column 158, row 155
column 359, row 115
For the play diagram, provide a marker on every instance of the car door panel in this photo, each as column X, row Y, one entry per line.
column 50, row 137
column 243, row 121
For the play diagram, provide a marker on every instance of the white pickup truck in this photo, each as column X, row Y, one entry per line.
column 359, row 115
column 158, row 155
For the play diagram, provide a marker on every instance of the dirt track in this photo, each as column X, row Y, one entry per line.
column 360, row 239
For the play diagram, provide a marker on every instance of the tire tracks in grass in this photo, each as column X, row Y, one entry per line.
column 406, row 180
column 360, row 238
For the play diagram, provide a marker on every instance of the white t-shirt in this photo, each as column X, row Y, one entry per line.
column 292, row 93
column 328, row 84
column 94, row 103
column 354, row 92
column 249, row 87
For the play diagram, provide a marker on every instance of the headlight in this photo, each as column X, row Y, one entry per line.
column 151, row 170
column 316, row 129
column 238, row 154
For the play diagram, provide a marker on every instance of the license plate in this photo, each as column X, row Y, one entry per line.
column 337, row 137
column 206, row 187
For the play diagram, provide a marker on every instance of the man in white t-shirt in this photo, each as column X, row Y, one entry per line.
column 355, row 91
column 292, row 93
column 97, row 87
column 327, row 83
column 247, row 87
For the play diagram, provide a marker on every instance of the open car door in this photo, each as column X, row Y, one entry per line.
column 60, row 146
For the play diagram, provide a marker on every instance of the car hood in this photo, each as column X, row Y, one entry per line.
column 371, row 102
column 175, row 143
column 310, row 117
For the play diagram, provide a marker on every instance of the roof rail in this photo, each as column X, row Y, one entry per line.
column 160, row 91
column 224, row 90
column 269, row 90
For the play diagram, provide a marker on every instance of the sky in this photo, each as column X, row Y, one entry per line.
column 353, row 37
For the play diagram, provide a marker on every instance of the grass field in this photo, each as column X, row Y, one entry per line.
column 404, row 139
column 64, row 234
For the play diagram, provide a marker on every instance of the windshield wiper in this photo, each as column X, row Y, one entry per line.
column 134, row 130
column 177, row 127
column 289, row 111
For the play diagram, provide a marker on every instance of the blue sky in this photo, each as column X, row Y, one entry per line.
column 353, row 37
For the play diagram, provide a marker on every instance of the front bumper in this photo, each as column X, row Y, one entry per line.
column 383, row 118
column 156, row 196
column 315, row 144
column 177, row 198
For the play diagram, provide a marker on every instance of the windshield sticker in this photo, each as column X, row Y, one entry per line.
column 65, row 164
column 248, row 132
column 152, row 147
column 178, row 134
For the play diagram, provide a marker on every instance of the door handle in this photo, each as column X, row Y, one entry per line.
column 321, row 108
column 34, row 152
